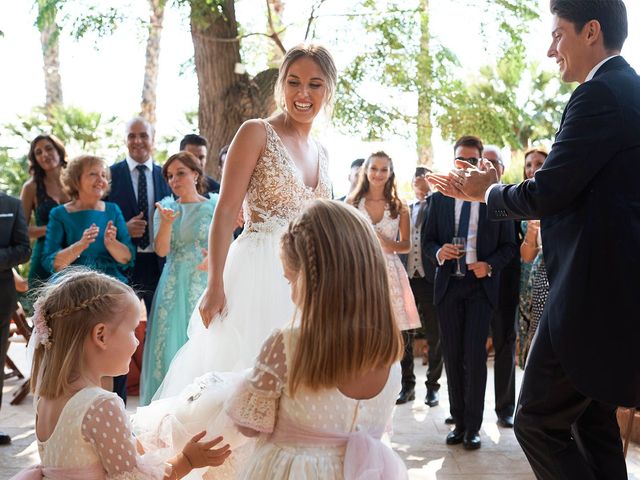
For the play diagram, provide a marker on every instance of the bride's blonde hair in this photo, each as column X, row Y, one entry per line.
column 347, row 326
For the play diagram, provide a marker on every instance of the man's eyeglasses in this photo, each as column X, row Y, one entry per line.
column 472, row 160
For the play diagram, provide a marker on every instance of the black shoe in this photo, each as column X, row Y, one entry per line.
column 455, row 437
column 4, row 439
column 433, row 397
column 471, row 441
column 505, row 421
column 406, row 396
column 450, row 420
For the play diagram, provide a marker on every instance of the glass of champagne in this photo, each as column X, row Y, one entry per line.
column 459, row 242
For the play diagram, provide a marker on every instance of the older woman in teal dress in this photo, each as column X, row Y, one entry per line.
column 181, row 229
column 88, row 231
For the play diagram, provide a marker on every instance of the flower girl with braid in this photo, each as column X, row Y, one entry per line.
column 84, row 331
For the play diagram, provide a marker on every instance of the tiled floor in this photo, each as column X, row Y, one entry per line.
column 419, row 433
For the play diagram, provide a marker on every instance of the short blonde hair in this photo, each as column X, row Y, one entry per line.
column 70, row 176
column 71, row 304
column 321, row 56
column 347, row 326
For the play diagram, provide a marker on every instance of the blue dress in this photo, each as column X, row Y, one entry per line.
column 179, row 288
column 65, row 228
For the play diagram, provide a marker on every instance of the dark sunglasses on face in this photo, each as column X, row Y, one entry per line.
column 472, row 160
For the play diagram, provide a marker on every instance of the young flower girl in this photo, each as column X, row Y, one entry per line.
column 84, row 331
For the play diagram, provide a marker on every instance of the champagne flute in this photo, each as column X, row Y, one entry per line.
column 459, row 242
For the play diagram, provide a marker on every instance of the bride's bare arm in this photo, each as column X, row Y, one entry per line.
column 246, row 147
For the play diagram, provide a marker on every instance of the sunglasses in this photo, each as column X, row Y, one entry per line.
column 472, row 160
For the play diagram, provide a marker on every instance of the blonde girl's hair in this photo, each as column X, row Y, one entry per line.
column 70, row 305
column 321, row 56
column 390, row 188
column 347, row 327
column 70, row 176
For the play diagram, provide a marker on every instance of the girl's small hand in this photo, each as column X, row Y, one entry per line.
column 202, row 454
column 385, row 243
column 166, row 214
column 89, row 235
column 110, row 233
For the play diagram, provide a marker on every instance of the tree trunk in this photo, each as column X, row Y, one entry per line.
column 425, row 93
column 227, row 96
column 49, row 41
column 152, row 59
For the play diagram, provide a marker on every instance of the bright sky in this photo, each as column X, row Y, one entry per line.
column 106, row 75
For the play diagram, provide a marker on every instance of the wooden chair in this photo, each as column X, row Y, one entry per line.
column 20, row 331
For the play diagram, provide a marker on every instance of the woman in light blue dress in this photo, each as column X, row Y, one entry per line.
column 181, row 227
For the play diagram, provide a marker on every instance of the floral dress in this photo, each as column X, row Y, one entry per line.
column 179, row 288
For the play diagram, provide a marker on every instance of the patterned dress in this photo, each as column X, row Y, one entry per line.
column 179, row 288
column 258, row 297
column 402, row 299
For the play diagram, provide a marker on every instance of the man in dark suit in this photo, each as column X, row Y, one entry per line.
column 421, row 271
column 136, row 185
column 585, row 359
column 354, row 174
column 465, row 303
column 14, row 250
column 197, row 145
column 503, row 322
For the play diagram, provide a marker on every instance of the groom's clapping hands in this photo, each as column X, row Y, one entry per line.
column 466, row 182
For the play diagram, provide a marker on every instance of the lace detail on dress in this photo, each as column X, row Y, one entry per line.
column 106, row 427
column 277, row 192
column 255, row 403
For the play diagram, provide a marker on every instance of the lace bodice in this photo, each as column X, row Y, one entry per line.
column 266, row 397
column 387, row 226
column 93, row 429
column 277, row 192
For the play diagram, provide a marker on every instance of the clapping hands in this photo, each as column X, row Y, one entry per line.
column 466, row 182
column 166, row 214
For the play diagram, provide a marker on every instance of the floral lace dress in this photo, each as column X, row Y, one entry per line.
column 313, row 435
column 402, row 300
column 257, row 294
column 93, row 441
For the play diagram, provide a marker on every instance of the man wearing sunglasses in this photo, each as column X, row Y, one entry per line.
column 465, row 301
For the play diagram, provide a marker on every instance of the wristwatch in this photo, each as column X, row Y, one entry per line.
column 490, row 270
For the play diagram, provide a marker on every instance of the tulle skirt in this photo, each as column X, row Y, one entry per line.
column 258, row 300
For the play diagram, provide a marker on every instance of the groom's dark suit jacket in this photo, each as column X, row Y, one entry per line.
column 587, row 195
column 495, row 245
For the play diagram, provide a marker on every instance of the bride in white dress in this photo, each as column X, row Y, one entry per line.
column 276, row 168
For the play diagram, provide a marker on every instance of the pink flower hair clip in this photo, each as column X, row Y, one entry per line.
column 42, row 330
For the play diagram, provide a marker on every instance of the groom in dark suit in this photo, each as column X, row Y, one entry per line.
column 585, row 359
column 136, row 185
column 465, row 303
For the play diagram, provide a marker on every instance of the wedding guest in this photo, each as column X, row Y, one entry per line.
column 421, row 273
column 533, row 161
column 586, row 196
column 466, row 293
column 84, row 331
column 42, row 193
column 503, row 321
column 324, row 390
column 197, row 145
column 136, row 185
column 181, row 228
column 222, row 157
column 87, row 230
column 354, row 175
column 14, row 250
column 376, row 196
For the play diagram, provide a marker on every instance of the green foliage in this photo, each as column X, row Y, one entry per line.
column 15, row 171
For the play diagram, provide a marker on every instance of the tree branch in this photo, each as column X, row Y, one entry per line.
column 274, row 35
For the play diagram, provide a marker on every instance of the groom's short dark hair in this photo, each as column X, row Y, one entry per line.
column 611, row 14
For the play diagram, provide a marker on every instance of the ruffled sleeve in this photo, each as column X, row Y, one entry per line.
column 106, row 427
column 255, row 402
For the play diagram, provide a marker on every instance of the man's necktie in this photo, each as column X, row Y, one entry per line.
column 422, row 210
column 463, row 230
column 143, row 204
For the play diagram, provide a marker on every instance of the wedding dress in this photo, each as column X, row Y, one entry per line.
column 257, row 294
